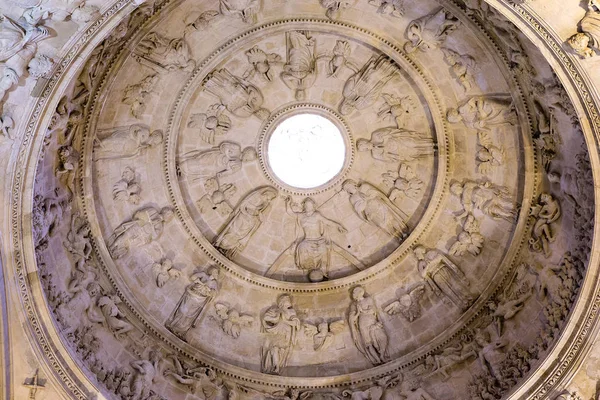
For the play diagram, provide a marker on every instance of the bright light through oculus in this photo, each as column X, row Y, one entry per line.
column 306, row 151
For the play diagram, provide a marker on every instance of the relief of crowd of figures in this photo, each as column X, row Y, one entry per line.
column 87, row 301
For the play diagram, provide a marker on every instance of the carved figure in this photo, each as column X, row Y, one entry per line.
column 484, row 112
column 323, row 333
column 376, row 391
column 372, row 206
column 395, row 8
column 82, row 307
column 83, row 274
column 363, row 88
column 469, row 239
column 246, row 219
column 68, row 162
column 505, row 309
column 200, row 21
column 491, row 354
column 197, row 295
column 546, row 212
column 407, row 302
column 247, row 10
column 231, row 321
column 127, row 189
column 312, row 247
column 7, row 124
column 125, row 142
column 240, row 97
column 587, row 42
column 450, row 356
column 334, row 7
column 300, row 70
column 223, row 160
column 368, row 332
column 281, row 324
column 261, row 63
column 488, row 155
column 78, row 240
column 164, row 271
column 40, row 66
column 547, row 283
column 164, row 54
column 114, row 318
column 338, row 59
column 404, row 182
column 217, row 197
column 18, row 45
column 146, row 226
column 430, row 31
column 444, row 278
column 46, row 215
column 200, row 381
column 144, row 375
column 212, row 124
column 394, row 145
column 463, row 66
column 494, row 201
column 397, row 108
column 411, row 389
column 137, row 95
column 77, row 11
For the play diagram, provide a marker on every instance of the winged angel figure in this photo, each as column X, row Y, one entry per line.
column 212, row 124
column 407, row 303
column 231, row 320
column 323, row 333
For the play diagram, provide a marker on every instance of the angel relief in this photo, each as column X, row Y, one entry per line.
column 407, row 302
column 323, row 333
column 212, row 124
column 231, row 320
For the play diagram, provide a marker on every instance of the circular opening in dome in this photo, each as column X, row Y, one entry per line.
column 306, row 151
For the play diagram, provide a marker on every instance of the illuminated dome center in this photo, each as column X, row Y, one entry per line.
column 306, row 151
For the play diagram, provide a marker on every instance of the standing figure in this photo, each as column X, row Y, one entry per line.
column 375, row 208
column 494, row 201
column 241, row 98
column 145, row 226
column 144, row 376
column 223, row 160
column 300, row 70
column 546, row 213
column 312, row 247
column 368, row 333
column 281, row 324
column 587, row 42
column 162, row 53
column 364, row 87
column 443, row 276
column 484, row 112
column 245, row 220
column 430, row 31
column 463, row 67
column 197, row 295
column 394, row 145
column 126, row 142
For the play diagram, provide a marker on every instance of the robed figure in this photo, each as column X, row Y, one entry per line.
column 203, row 289
column 281, row 324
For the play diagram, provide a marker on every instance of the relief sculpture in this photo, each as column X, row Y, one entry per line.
column 164, row 54
column 280, row 324
column 469, row 240
column 164, row 271
column 137, row 95
column 231, row 320
column 397, row 108
column 323, row 333
column 125, row 141
column 394, row 145
column 127, row 189
column 373, row 207
column 261, row 64
column 484, row 112
column 338, row 59
column 225, row 159
column 240, row 97
column 300, row 70
column 334, row 7
column 587, row 42
column 146, row 225
column 247, row 10
column 492, row 200
column 368, row 333
column 364, row 88
column 217, row 197
column 546, row 213
column 430, row 31
column 443, row 277
column 403, row 183
column 489, row 155
column 212, row 124
column 463, row 67
column 408, row 302
column 395, row 8
column 197, row 295
column 244, row 222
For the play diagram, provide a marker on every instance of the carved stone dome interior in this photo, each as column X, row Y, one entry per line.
column 278, row 199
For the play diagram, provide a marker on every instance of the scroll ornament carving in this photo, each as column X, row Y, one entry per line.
column 245, row 221
column 489, row 155
column 225, row 159
column 164, row 54
column 212, row 124
column 430, row 32
column 546, row 214
column 492, row 200
column 217, row 197
column 403, row 183
column 395, row 8
column 484, row 112
column 280, row 324
column 443, row 277
column 587, row 42
column 197, row 296
column 261, row 64
column 138, row 94
column 301, row 69
column 231, row 321
column 125, row 141
column 469, row 240
column 323, row 333
column 364, row 88
column 127, row 189
column 240, row 97
column 408, row 302
column 146, row 226
column 368, row 332
column 463, row 67
column 374, row 207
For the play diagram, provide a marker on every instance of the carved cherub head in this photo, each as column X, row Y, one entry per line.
column 579, row 42
column 284, row 301
column 249, row 154
column 128, row 174
column 350, row 186
column 456, row 189
column 453, row 116
column 419, row 252
column 358, row 293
